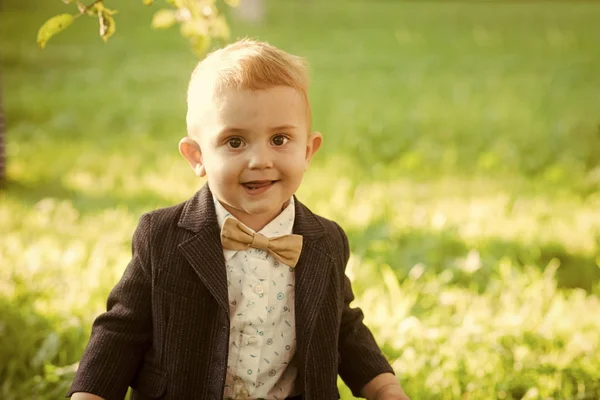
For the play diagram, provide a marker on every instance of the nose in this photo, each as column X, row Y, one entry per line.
column 260, row 157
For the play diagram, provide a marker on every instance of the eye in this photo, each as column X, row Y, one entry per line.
column 279, row 140
column 234, row 143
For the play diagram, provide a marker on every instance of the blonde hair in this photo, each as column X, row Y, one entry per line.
column 244, row 65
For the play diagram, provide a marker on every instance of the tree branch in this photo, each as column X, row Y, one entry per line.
column 83, row 8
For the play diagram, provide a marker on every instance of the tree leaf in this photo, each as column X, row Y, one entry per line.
column 109, row 11
column 90, row 10
column 200, row 44
column 163, row 19
column 100, row 7
column 207, row 11
column 194, row 28
column 107, row 24
column 52, row 27
column 220, row 29
column 175, row 3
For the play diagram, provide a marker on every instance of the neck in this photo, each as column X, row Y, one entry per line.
column 256, row 222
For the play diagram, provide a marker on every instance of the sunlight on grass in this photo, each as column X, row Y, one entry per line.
column 461, row 156
column 474, row 321
column 496, row 338
column 425, row 323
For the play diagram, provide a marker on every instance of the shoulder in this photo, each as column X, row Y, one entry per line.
column 338, row 238
column 332, row 229
column 164, row 224
column 334, row 236
column 165, row 217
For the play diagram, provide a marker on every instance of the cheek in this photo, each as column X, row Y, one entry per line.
column 293, row 164
column 226, row 172
column 221, row 168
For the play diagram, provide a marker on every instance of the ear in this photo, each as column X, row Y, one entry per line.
column 313, row 144
column 190, row 150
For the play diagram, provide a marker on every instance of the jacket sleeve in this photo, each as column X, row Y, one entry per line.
column 121, row 336
column 360, row 357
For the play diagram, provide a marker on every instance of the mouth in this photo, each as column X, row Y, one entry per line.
column 256, row 187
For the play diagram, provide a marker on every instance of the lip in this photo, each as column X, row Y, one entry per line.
column 264, row 186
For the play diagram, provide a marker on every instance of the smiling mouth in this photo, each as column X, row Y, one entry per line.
column 257, row 185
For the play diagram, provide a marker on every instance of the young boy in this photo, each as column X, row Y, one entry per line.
column 240, row 292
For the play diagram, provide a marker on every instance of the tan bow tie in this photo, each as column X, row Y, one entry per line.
column 237, row 236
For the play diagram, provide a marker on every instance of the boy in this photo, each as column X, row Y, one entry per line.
column 240, row 292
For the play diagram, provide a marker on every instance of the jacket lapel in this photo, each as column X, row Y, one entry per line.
column 203, row 250
column 205, row 254
column 312, row 274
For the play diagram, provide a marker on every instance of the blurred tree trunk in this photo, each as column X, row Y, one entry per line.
column 2, row 143
column 2, row 129
column 250, row 11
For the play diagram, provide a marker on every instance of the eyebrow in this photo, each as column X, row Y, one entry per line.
column 283, row 128
column 230, row 131
column 241, row 131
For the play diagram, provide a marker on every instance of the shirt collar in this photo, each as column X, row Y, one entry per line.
column 282, row 224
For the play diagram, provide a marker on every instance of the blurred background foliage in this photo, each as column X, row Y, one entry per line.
column 461, row 155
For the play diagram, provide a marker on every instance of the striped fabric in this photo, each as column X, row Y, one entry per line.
column 165, row 331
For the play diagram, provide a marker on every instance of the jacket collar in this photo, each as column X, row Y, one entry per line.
column 205, row 255
column 199, row 214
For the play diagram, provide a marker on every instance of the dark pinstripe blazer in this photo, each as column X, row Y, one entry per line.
column 165, row 331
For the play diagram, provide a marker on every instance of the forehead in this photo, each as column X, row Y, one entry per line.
column 277, row 105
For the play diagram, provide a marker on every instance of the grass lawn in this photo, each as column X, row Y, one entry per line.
column 461, row 155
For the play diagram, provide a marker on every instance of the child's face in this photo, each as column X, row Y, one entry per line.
column 254, row 149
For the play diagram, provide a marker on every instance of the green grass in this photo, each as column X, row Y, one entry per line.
column 461, row 155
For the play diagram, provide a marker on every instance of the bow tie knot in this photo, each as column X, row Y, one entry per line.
column 259, row 242
column 237, row 236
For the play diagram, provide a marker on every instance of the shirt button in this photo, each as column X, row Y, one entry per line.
column 259, row 289
column 252, row 340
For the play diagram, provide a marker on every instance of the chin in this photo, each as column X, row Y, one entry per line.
column 261, row 210
column 262, row 207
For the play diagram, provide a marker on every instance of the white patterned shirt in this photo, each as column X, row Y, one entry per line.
column 262, row 338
